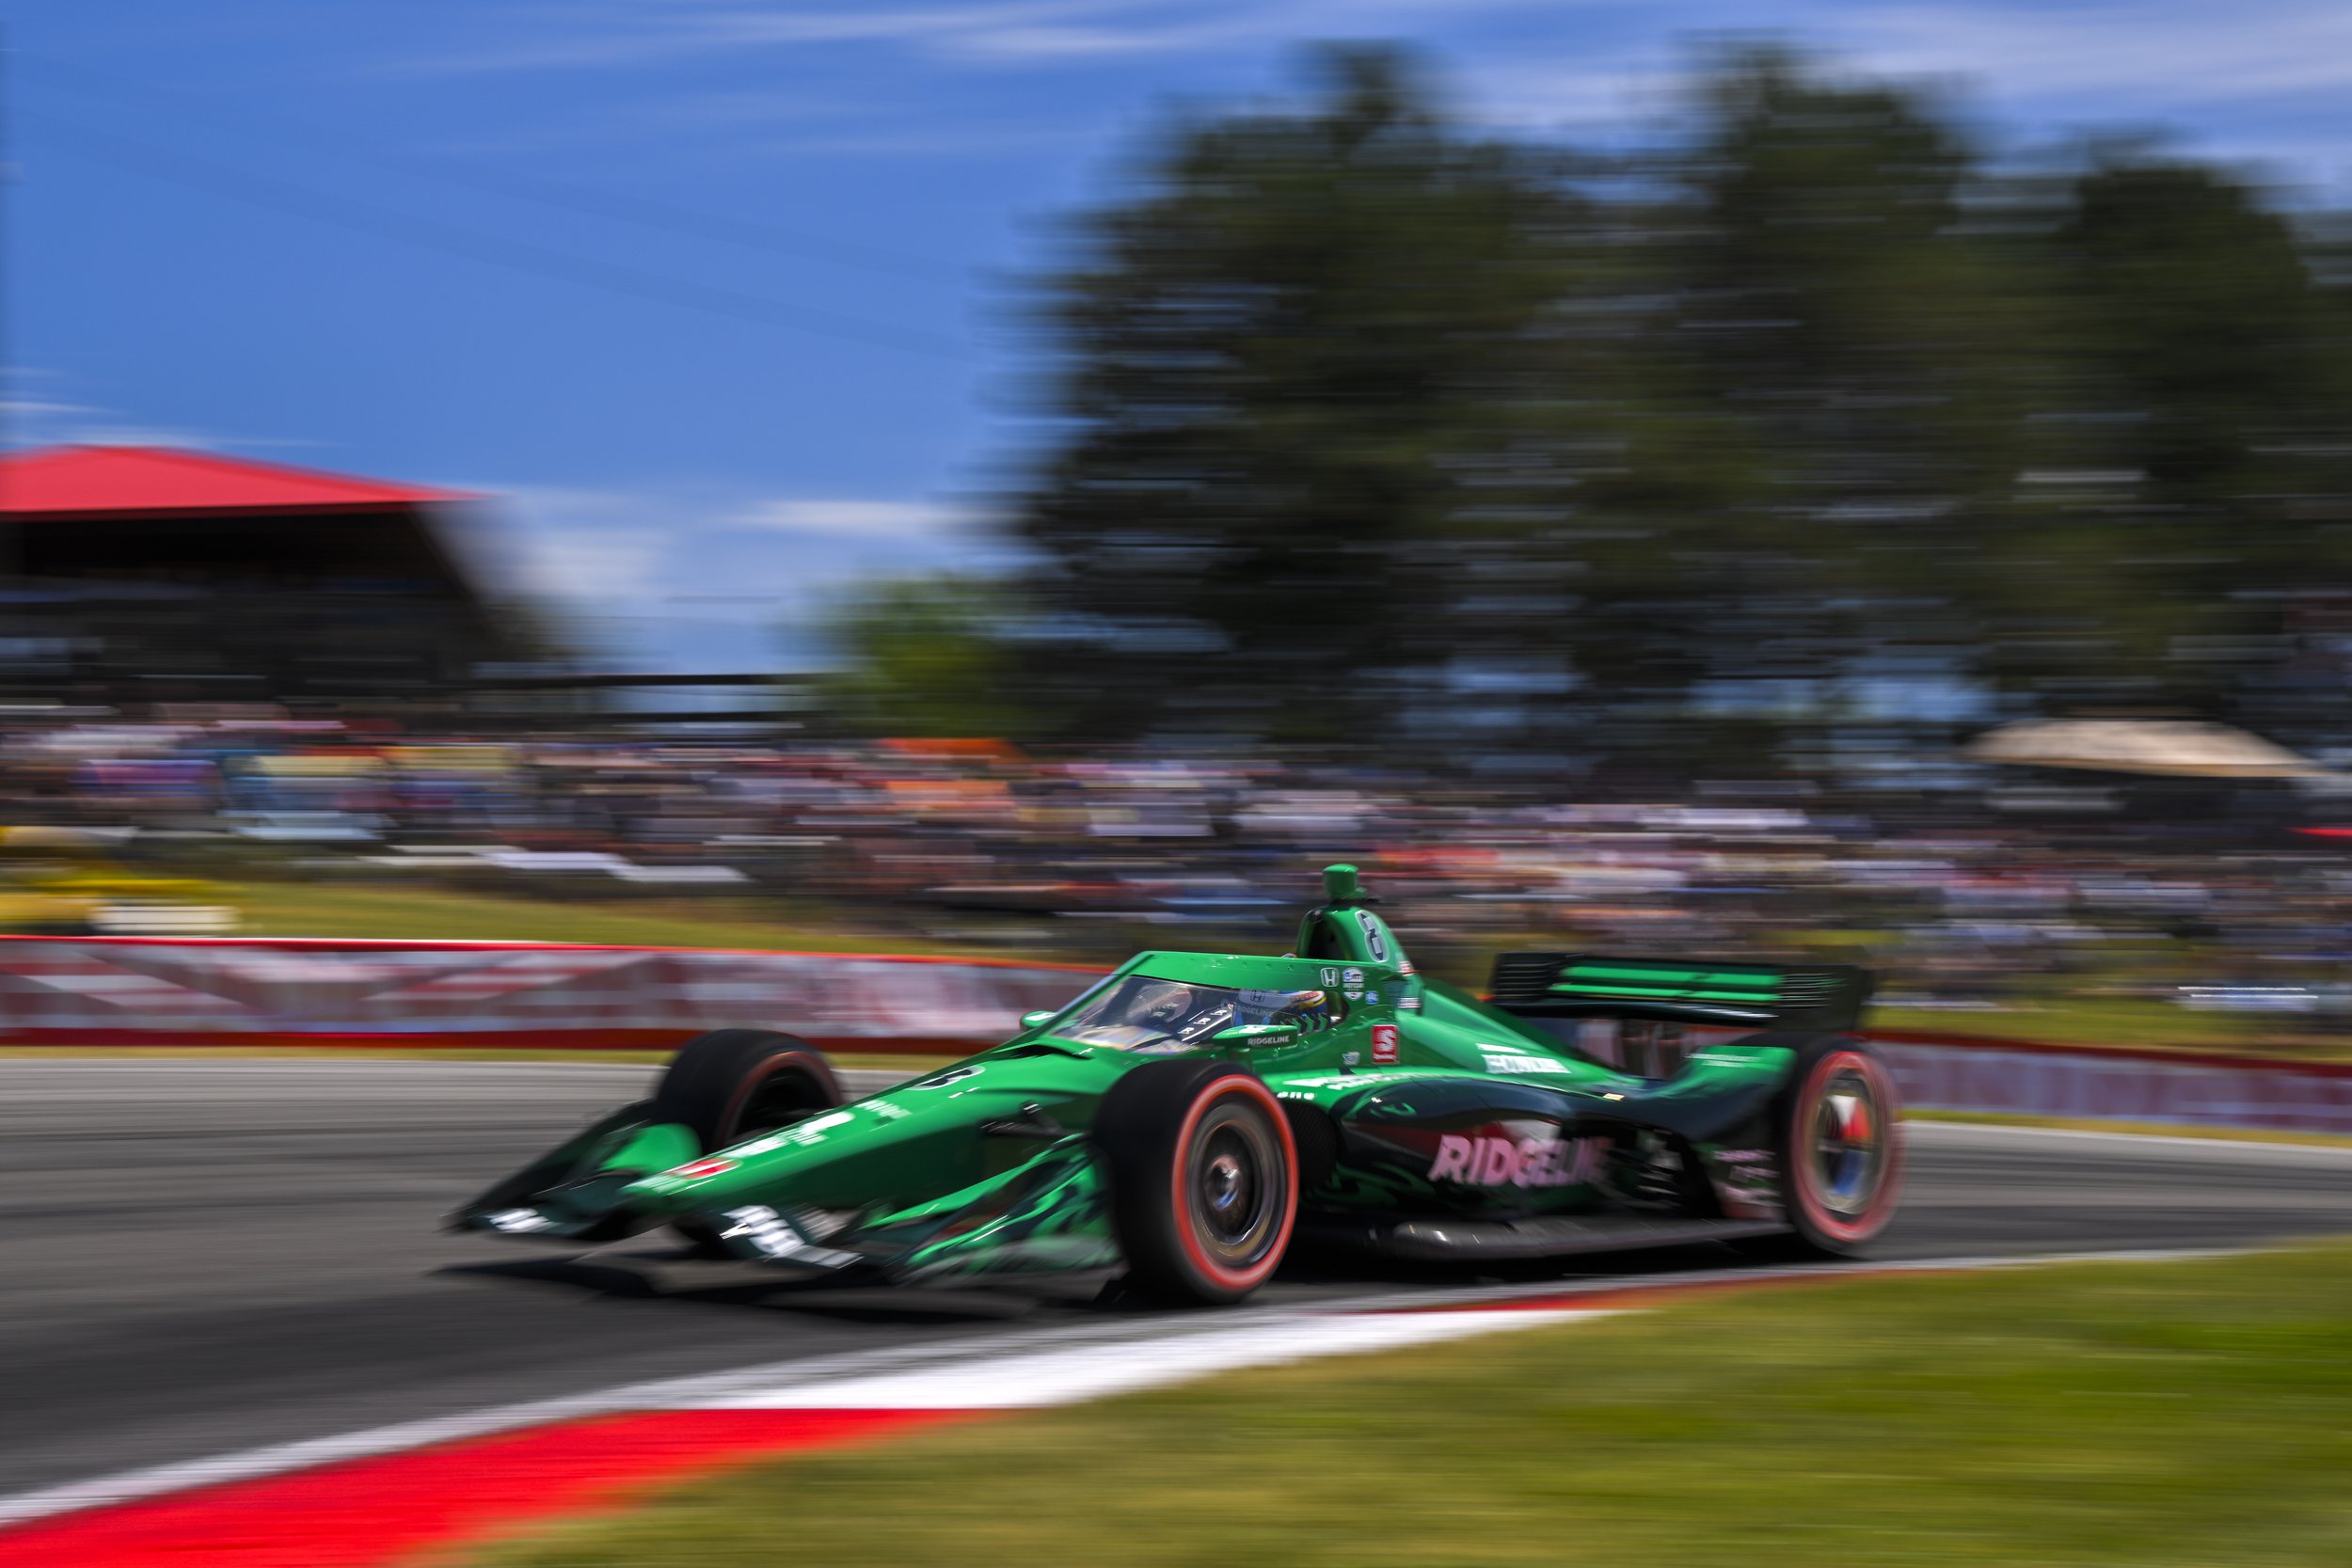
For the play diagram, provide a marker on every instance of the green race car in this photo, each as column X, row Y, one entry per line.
column 1192, row 1116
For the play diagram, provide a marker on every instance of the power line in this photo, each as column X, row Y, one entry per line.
column 310, row 137
column 282, row 195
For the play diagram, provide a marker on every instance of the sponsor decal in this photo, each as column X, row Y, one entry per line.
column 1359, row 1080
column 1409, row 1004
column 941, row 1080
column 764, row 1228
column 1384, row 1043
column 1351, row 1058
column 518, row 1221
column 1330, row 979
column 1500, row 1060
column 695, row 1170
column 888, row 1112
column 814, row 1129
column 770, row 1235
column 1485, row 1162
column 1747, row 1184
column 1404, row 964
column 1374, row 942
column 1372, row 999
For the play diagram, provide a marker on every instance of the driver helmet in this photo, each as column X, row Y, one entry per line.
column 1165, row 1005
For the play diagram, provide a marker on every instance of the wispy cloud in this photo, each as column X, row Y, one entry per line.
column 692, row 576
column 588, row 546
column 2276, row 70
column 877, row 520
column 1003, row 32
column 596, row 35
column 54, row 419
column 2178, row 55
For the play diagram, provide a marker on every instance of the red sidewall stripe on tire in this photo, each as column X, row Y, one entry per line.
column 1806, row 1180
column 1234, row 1279
column 730, row 1127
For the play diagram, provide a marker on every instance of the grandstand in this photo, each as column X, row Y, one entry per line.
column 146, row 575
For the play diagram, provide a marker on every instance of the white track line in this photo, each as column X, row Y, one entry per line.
column 1068, row 1374
column 1093, row 1353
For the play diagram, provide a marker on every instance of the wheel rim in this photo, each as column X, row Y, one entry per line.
column 1849, row 1143
column 1234, row 1194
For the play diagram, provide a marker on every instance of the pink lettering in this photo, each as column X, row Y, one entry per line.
column 1499, row 1162
column 1453, row 1161
column 1539, row 1162
column 1521, row 1163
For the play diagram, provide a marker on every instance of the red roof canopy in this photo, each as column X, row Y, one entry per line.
column 59, row 482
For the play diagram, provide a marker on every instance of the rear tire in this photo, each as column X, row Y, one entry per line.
column 1203, row 1179
column 1838, row 1130
column 733, row 1084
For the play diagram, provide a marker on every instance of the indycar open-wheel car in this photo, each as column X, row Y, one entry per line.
column 1189, row 1118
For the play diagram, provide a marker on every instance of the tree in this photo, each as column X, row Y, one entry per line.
column 1296, row 381
column 926, row 657
column 2210, row 487
column 1357, row 418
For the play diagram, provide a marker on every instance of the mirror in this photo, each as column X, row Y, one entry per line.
column 1257, row 1035
column 1030, row 1021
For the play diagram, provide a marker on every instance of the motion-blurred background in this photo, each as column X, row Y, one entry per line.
column 1019, row 476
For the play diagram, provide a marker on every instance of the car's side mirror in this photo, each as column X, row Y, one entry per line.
column 1257, row 1035
column 1030, row 1021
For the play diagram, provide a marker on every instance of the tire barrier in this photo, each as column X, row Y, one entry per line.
column 132, row 990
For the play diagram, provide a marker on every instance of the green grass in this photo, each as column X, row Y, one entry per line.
column 2133, row 1022
column 2180, row 1413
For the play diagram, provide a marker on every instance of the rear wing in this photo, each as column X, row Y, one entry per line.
column 1829, row 997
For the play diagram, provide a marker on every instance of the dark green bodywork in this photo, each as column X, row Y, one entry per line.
column 1419, row 1100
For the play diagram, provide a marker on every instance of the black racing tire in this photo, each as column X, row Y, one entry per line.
column 1204, row 1180
column 1837, row 1133
column 732, row 1083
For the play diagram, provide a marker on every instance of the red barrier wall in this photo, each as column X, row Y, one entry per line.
column 136, row 991
column 163, row 991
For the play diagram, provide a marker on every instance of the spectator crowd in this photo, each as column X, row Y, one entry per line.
column 974, row 844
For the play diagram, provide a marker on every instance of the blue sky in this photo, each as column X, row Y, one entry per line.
column 714, row 291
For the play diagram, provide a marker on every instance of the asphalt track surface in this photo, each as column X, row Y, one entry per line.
column 207, row 1256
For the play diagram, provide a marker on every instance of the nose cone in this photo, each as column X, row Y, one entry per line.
column 913, row 1143
column 791, row 1163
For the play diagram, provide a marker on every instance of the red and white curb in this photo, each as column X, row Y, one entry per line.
column 388, row 1494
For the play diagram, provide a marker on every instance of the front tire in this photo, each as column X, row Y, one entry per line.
column 733, row 1084
column 1203, row 1179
